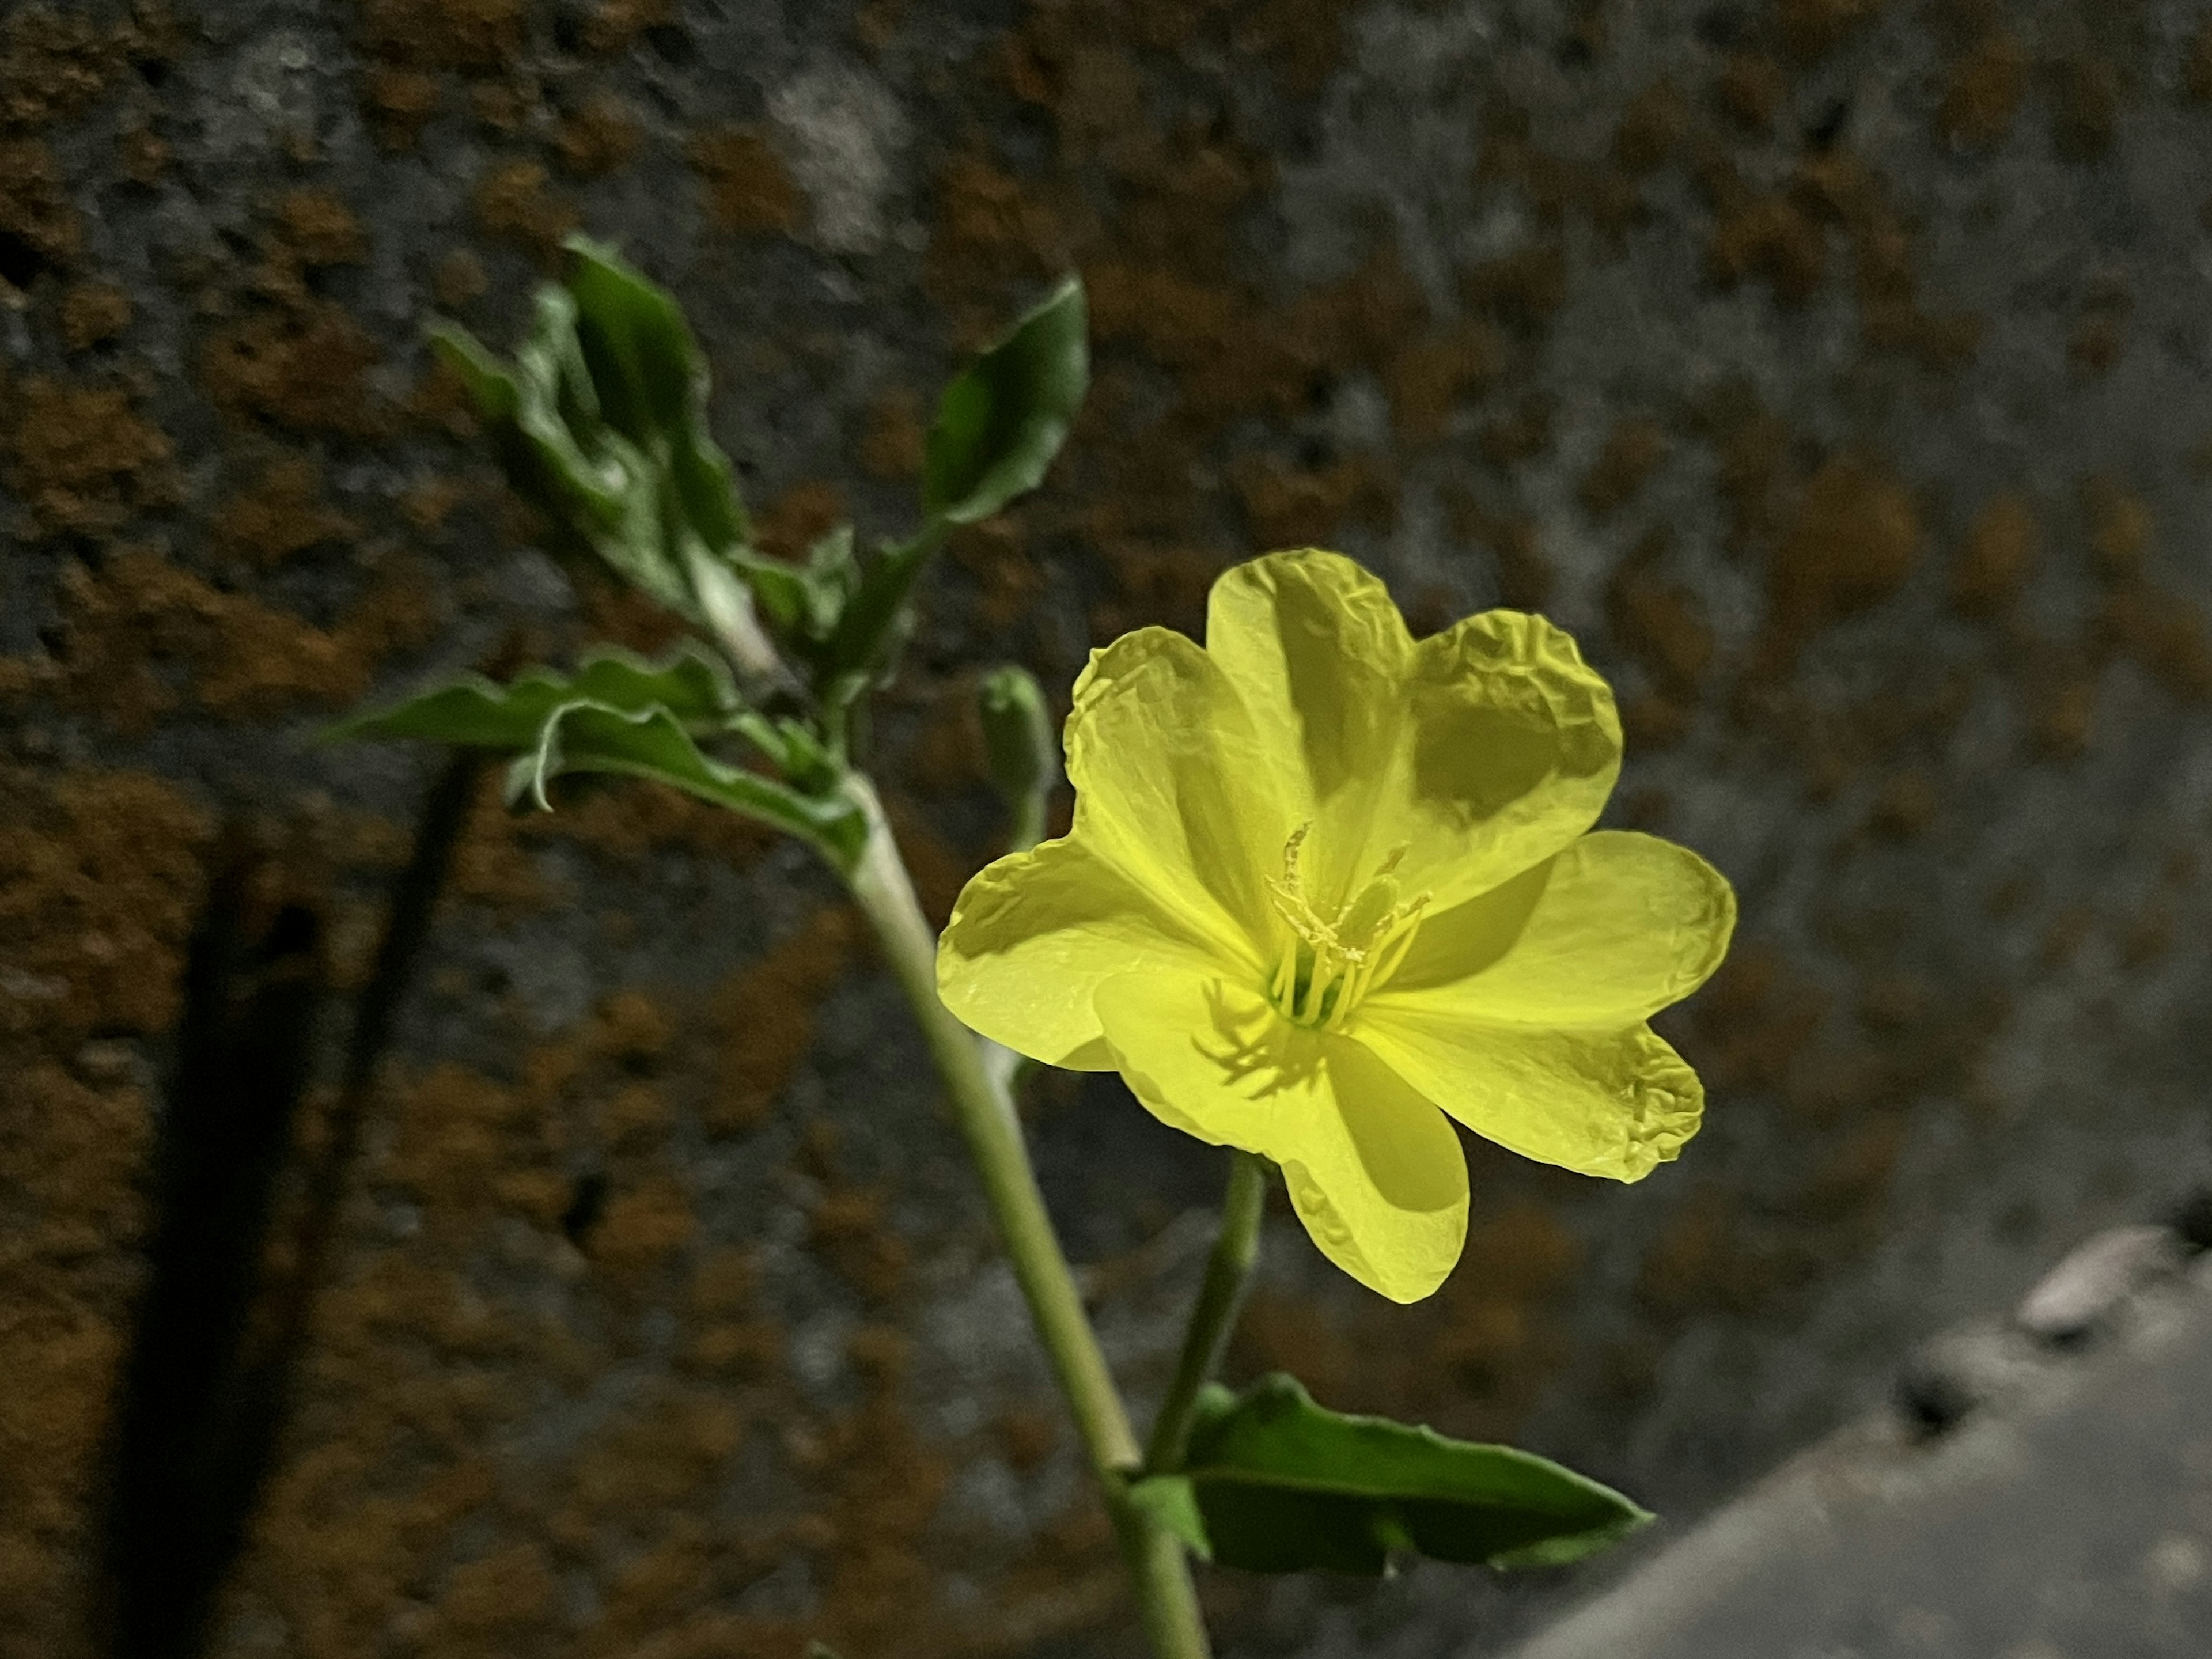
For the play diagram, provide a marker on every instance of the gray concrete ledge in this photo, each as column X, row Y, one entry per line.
column 2036, row 1492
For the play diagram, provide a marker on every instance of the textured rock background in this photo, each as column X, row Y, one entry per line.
column 1835, row 369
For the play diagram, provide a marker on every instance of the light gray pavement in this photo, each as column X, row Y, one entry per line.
column 2067, row 1516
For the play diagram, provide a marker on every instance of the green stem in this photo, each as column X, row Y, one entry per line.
column 1214, row 1316
column 985, row 1114
column 1027, row 825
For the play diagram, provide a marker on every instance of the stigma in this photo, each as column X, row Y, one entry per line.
column 1330, row 960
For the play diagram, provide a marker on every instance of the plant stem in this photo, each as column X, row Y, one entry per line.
column 1214, row 1315
column 985, row 1115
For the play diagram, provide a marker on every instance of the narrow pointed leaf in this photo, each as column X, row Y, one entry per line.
column 477, row 713
column 553, row 358
column 707, row 491
column 1006, row 416
column 1282, row 1485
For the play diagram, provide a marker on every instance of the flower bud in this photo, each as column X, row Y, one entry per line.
column 1018, row 741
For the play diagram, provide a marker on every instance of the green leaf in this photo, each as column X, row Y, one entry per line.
column 635, row 344
column 621, row 713
column 806, row 601
column 832, row 577
column 480, row 713
column 652, row 384
column 487, row 379
column 876, row 620
column 651, row 743
column 533, row 412
column 1006, row 416
column 603, row 493
column 1281, row 1485
column 999, row 425
column 780, row 588
column 600, row 422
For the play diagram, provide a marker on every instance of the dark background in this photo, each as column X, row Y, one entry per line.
column 1834, row 369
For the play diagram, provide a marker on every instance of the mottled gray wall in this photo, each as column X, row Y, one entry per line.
column 1834, row 369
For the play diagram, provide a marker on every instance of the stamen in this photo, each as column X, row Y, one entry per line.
column 1401, row 940
column 1330, row 961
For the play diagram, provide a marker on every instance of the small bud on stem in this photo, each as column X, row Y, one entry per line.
column 1024, row 754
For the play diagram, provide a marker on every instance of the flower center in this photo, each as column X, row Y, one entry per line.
column 1332, row 959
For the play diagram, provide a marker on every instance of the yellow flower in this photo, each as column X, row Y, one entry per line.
column 1327, row 885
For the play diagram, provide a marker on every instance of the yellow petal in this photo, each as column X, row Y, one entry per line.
column 1319, row 654
column 1481, row 751
column 1513, row 746
column 1603, row 935
column 1373, row 1171
column 1172, row 789
column 1035, row 935
column 1614, row 1104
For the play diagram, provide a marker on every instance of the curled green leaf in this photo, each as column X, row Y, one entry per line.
column 478, row 713
column 651, row 743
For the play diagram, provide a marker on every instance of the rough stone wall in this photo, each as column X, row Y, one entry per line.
column 1836, row 369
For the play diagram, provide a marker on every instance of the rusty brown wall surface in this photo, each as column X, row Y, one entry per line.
column 1837, row 370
